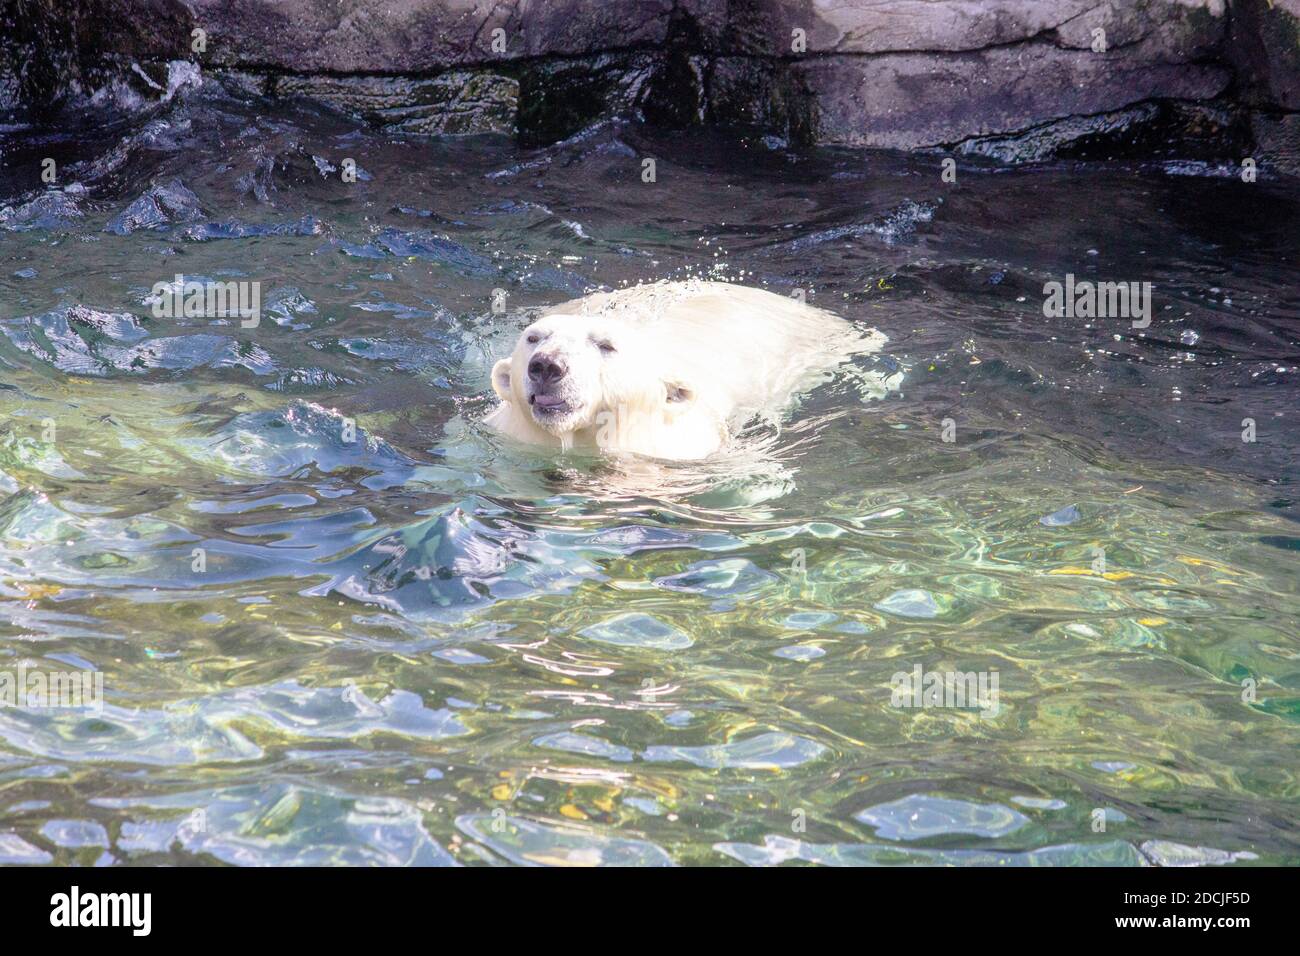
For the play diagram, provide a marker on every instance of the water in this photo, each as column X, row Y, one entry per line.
column 417, row 645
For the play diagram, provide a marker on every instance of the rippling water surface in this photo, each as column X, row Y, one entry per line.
column 418, row 645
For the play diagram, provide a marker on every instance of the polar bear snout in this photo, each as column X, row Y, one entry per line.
column 554, row 388
column 547, row 369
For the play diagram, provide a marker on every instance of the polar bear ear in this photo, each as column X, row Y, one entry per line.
column 501, row 379
column 678, row 395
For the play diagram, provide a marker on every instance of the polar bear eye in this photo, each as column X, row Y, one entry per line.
column 606, row 346
column 533, row 339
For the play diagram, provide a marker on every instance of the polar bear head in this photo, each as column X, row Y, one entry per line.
column 573, row 373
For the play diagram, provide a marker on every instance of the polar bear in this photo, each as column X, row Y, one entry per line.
column 665, row 370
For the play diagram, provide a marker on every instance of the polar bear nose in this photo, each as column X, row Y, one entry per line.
column 544, row 370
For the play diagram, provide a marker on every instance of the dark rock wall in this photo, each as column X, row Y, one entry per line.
column 1265, row 50
column 1011, row 79
column 51, row 50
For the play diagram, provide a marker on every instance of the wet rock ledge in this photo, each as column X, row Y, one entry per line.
column 1015, row 80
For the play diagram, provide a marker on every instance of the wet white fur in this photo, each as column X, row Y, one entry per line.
column 691, row 361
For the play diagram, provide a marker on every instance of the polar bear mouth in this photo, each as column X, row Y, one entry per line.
column 549, row 406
